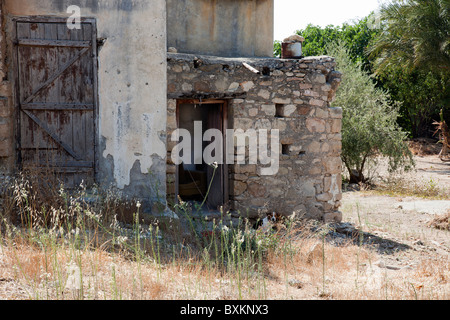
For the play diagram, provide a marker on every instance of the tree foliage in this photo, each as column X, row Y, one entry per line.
column 411, row 58
column 369, row 126
column 356, row 37
column 413, row 34
column 422, row 95
column 406, row 47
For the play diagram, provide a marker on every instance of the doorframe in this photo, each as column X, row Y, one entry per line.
column 224, row 117
column 13, row 41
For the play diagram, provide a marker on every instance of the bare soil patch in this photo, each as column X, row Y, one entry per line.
column 409, row 232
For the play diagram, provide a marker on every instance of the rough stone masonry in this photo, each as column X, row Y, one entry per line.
column 290, row 95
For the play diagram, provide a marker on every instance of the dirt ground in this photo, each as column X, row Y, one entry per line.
column 398, row 224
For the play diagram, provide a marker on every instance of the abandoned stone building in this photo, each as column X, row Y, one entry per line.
column 101, row 102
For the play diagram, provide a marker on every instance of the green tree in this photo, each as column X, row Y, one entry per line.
column 411, row 59
column 422, row 95
column 414, row 34
column 356, row 37
column 277, row 49
column 369, row 126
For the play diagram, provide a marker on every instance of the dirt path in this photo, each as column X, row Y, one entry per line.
column 398, row 225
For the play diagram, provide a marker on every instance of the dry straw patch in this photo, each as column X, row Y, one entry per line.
column 441, row 222
column 313, row 270
column 90, row 256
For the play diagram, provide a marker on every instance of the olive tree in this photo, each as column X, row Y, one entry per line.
column 369, row 124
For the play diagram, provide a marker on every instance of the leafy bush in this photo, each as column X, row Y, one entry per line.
column 369, row 125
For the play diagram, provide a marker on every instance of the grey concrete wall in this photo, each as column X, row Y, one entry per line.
column 226, row 28
column 132, row 87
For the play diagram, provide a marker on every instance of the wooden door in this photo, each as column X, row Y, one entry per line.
column 57, row 97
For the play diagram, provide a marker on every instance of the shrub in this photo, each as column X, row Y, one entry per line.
column 369, row 125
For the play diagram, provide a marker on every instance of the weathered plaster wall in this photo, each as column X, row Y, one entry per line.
column 292, row 96
column 132, row 87
column 226, row 28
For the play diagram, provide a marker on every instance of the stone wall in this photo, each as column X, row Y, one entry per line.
column 292, row 96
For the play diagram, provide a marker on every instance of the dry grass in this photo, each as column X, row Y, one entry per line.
column 441, row 222
column 91, row 256
column 312, row 270
column 397, row 186
column 424, row 146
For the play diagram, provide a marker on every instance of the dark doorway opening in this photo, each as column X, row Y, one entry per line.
column 198, row 180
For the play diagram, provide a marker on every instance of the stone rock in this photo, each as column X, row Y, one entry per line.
column 268, row 109
column 233, row 87
column 304, row 86
column 317, row 102
column 281, row 100
column 308, row 189
column 314, row 147
column 304, row 110
column 315, row 125
column 277, row 73
column 324, row 197
column 247, row 85
column 256, row 190
column 239, row 188
column 336, row 125
column 318, row 78
column 333, row 217
column 286, row 110
column 263, row 124
column 245, row 168
column 265, row 94
column 335, row 113
column 321, row 113
column 186, row 87
column 333, row 165
column 252, row 112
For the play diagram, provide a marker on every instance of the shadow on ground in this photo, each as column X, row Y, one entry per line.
column 343, row 233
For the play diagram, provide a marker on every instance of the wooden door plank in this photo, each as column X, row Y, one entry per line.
column 27, row 126
column 38, row 74
column 53, row 43
column 50, row 94
column 73, row 164
column 58, row 106
column 56, row 75
column 52, row 134
column 65, row 119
